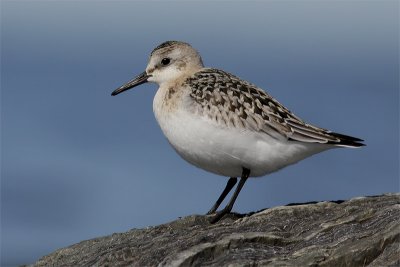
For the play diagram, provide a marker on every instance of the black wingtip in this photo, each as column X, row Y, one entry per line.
column 347, row 140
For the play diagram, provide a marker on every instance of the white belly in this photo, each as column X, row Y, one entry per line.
column 226, row 151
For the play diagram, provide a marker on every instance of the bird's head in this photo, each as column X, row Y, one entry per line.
column 168, row 61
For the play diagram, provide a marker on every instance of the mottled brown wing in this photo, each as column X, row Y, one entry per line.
column 234, row 102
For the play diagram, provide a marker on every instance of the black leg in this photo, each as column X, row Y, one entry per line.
column 229, row 185
column 228, row 208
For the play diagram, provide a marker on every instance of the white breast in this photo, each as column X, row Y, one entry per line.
column 225, row 150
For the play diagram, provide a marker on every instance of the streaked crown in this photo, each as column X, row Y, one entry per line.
column 172, row 60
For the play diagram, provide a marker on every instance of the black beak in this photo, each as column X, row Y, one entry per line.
column 142, row 78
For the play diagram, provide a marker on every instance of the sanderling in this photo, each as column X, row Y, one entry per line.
column 225, row 125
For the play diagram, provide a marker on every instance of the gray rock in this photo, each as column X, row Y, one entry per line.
column 359, row 232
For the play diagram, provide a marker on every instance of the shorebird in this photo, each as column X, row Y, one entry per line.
column 226, row 125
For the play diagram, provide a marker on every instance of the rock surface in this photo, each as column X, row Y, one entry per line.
column 359, row 232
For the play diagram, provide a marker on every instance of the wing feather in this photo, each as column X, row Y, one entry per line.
column 238, row 100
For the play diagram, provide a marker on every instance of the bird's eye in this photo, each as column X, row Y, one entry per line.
column 165, row 61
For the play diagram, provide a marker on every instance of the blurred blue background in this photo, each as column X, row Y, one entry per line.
column 77, row 163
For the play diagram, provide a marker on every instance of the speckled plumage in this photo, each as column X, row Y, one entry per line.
column 225, row 125
column 236, row 103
